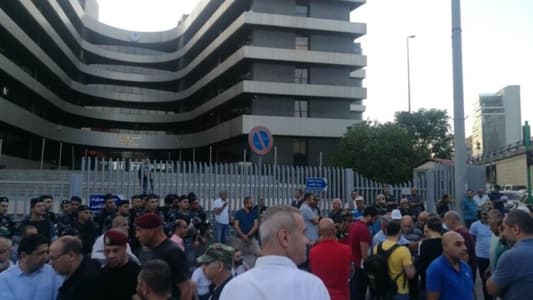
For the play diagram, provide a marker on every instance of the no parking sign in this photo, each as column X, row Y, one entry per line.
column 260, row 140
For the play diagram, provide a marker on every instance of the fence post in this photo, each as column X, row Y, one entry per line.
column 348, row 184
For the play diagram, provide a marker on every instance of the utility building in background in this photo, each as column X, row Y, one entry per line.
column 496, row 121
column 71, row 86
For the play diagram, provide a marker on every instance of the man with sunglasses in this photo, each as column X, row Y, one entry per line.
column 448, row 276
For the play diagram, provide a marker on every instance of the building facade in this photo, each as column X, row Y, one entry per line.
column 72, row 86
column 496, row 121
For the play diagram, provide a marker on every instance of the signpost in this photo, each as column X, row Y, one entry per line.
column 316, row 184
column 260, row 140
column 96, row 202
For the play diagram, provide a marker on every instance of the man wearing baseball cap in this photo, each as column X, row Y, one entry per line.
column 149, row 231
column 216, row 263
column 120, row 272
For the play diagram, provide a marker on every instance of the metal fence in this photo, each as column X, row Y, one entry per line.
column 274, row 183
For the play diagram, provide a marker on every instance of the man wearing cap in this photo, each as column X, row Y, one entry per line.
column 86, row 228
column 7, row 226
column 149, row 232
column 119, row 223
column 217, row 263
column 38, row 219
column 105, row 216
column 276, row 275
column 120, row 272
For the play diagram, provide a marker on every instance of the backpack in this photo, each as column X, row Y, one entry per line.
column 377, row 269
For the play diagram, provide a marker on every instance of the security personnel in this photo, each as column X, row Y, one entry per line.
column 120, row 272
column 105, row 216
column 7, row 226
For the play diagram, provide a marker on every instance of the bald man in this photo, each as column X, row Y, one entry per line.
column 334, row 270
column 449, row 277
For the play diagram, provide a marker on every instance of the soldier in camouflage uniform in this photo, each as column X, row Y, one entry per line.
column 217, row 262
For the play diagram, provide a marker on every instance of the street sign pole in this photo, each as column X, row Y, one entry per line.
column 527, row 143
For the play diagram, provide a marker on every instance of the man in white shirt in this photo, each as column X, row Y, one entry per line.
column 221, row 209
column 120, row 223
column 275, row 275
column 481, row 198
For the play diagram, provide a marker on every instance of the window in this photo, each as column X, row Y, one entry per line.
column 301, row 108
column 302, row 9
column 301, row 75
column 299, row 149
column 301, row 43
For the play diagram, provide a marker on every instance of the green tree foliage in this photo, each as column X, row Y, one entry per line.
column 430, row 130
column 389, row 152
column 382, row 152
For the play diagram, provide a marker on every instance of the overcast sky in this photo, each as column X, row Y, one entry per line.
column 497, row 48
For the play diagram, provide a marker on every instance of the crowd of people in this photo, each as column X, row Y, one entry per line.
column 389, row 249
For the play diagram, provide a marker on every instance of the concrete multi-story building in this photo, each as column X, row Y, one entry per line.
column 496, row 121
column 72, row 86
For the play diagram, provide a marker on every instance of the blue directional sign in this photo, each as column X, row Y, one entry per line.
column 260, row 140
column 96, row 202
column 316, row 184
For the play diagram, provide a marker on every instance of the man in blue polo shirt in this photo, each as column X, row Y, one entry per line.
column 513, row 277
column 31, row 278
column 448, row 277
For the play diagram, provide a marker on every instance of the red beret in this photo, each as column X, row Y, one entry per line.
column 115, row 237
column 149, row 221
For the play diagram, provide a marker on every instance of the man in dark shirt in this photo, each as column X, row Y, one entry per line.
column 38, row 219
column 86, row 228
column 105, row 216
column 217, row 262
column 120, row 272
column 48, row 201
column 83, row 280
column 7, row 226
column 154, row 281
column 149, row 231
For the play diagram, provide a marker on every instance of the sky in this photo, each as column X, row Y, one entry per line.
column 497, row 48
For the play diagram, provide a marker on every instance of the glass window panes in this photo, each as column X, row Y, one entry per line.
column 301, row 109
column 302, row 43
column 301, row 75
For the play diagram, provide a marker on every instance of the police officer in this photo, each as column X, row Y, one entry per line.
column 120, row 272
column 105, row 216
column 7, row 226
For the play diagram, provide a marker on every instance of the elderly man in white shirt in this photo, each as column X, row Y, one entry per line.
column 481, row 199
column 275, row 275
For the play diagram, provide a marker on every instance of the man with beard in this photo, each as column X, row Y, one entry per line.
column 246, row 224
column 448, row 276
column 86, row 228
column 360, row 240
column 48, row 201
column 31, row 278
column 38, row 219
column 105, row 216
column 513, row 278
column 149, row 231
column 7, row 226
column 120, row 272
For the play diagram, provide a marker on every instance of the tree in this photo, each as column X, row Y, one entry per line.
column 382, row 152
column 430, row 130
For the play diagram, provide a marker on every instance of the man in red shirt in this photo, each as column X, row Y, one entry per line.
column 360, row 239
column 331, row 261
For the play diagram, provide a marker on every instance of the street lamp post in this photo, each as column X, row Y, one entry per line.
column 408, row 75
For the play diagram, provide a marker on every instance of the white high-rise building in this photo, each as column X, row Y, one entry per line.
column 496, row 121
